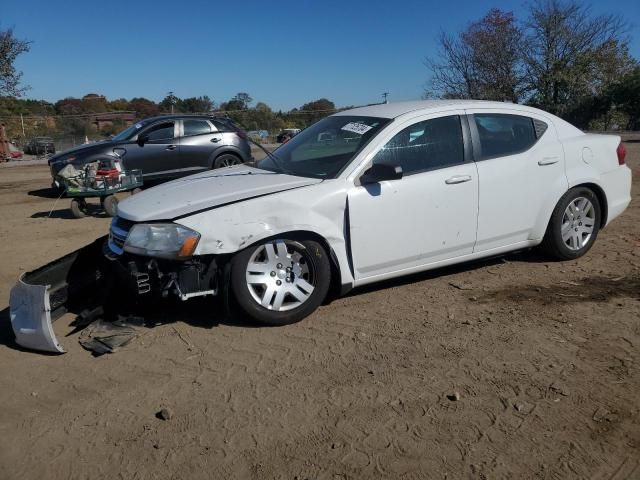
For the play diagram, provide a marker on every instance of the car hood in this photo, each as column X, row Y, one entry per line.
column 87, row 148
column 206, row 190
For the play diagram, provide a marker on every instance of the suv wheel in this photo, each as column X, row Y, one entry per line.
column 226, row 160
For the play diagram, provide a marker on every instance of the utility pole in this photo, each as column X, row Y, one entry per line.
column 384, row 97
column 171, row 100
column 22, row 122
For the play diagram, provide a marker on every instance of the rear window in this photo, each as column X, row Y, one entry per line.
column 502, row 135
column 196, row 127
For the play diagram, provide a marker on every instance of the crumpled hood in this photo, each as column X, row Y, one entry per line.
column 206, row 190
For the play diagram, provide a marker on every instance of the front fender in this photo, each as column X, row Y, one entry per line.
column 319, row 209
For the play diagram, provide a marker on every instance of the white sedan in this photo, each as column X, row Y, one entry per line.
column 370, row 194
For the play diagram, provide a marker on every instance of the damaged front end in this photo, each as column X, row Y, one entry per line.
column 101, row 275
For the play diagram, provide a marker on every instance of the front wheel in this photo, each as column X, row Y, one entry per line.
column 110, row 205
column 574, row 224
column 280, row 281
column 79, row 207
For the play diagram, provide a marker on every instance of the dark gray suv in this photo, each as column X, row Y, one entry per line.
column 165, row 147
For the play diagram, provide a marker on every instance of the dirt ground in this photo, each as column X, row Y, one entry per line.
column 510, row 368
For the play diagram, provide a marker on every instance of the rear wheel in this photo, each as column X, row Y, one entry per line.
column 110, row 205
column 574, row 224
column 280, row 281
column 226, row 160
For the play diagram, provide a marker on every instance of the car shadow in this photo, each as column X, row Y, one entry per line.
column 210, row 312
column 523, row 256
column 45, row 193
column 65, row 213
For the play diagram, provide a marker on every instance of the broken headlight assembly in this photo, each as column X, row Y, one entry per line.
column 162, row 240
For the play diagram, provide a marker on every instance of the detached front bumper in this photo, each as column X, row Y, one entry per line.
column 95, row 277
column 44, row 295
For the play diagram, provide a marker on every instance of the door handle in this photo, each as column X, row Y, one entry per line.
column 457, row 179
column 548, row 161
column 215, row 139
column 171, row 147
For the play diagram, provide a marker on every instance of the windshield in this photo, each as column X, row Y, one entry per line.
column 325, row 148
column 128, row 132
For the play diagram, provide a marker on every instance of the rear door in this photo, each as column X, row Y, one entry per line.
column 521, row 173
column 159, row 156
column 200, row 139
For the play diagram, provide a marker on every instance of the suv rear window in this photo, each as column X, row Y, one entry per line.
column 502, row 134
column 196, row 127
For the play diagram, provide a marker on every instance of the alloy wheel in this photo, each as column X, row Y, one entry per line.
column 578, row 223
column 280, row 275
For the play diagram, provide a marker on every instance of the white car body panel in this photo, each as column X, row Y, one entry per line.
column 206, row 190
column 431, row 219
column 379, row 235
column 533, row 181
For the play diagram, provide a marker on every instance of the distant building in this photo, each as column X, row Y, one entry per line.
column 102, row 120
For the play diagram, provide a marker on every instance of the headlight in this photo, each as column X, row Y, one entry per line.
column 165, row 240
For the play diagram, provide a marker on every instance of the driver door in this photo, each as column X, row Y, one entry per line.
column 428, row 215
column 159, row 155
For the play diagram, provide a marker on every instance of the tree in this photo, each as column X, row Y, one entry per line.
column 314, row 111
column 10, row 49
column 241, row 101
column 94, row 103
column 567, row 52
column 626, row 97
column 119, row 104
column 144, row 107
column 69, row 106
column 201, row 104
column 482, row 62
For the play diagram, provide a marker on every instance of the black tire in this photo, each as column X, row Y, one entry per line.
column 318, row 263
column 110, row 205
column 79, row 207
column 553, row 244
column 226, row 160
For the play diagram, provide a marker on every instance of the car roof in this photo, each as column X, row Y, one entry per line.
column 177, row 116
column 396, row 109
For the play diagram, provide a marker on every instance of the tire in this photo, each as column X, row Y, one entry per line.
column 304, row 276
column 79, row 207
column 226, row 160
column 110, row 205
column 574, row 224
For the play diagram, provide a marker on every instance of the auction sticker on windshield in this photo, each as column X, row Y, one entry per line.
column 355, row 127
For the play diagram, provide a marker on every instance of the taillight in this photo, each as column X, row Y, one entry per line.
column 622, row 153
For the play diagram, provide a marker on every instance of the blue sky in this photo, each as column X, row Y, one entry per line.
column 284, row 53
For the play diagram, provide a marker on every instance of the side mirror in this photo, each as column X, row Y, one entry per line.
column 142, row 139
column 380, row 172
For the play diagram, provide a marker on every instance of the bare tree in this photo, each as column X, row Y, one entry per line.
column 481, row 62
column 567, row 52
column 10, row 48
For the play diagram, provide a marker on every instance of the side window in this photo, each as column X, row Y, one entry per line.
column 195, row 127
column 160, row 132
column 427, row 145
column 502, row 135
